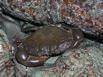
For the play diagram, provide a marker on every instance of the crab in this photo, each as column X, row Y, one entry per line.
column 46, row 42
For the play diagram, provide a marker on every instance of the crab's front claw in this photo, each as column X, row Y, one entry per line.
column 30, row 61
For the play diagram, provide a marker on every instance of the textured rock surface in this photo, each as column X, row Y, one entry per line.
column 87, row 14
column 84, row 61
column 87, row 60
column 6, row 65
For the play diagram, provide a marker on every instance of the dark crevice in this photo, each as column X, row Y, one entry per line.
column 98, row 38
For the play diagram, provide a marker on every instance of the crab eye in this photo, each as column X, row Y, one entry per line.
column 77, row 36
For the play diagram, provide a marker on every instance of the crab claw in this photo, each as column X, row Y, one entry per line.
column 30, row 61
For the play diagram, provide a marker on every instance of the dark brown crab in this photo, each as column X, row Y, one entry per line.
column 46, row 42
